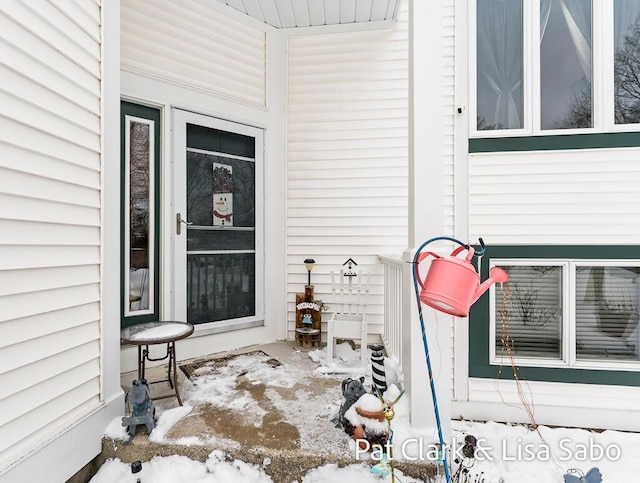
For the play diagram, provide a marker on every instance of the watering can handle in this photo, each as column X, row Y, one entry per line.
column 454, row 253
column 420, row 258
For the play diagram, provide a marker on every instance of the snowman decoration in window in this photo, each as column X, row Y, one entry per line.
column 222, row 195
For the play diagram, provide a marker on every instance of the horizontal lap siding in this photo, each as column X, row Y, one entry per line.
column 347, row 151
column 567, row 197
column 189, row 44
column 448, row 202
column 50, row 124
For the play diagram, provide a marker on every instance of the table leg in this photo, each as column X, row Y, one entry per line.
column 175, row 373
column 171, row 349
column 145, row 356
column 140, row 363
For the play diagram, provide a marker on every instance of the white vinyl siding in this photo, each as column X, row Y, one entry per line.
column 555, row 197
column 448, row 183
column 50, row 125
column 347, row 151
column 449, row 117
column 189, row 44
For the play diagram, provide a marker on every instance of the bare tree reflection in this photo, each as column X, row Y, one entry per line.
column 627, row 77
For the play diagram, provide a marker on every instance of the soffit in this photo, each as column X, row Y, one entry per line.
column 312, row 13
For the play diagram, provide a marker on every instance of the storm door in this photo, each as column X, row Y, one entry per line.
column 218, row 172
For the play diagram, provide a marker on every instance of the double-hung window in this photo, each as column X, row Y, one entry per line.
column 555, row 66
column 577, row 313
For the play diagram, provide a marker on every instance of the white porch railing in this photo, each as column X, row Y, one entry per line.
column 393, row 313
column 403, row 340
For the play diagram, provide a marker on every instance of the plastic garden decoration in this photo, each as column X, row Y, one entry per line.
column 592, row 476
column 377, row 368
column 451, row 286
column 142, row 410
column 468, row 449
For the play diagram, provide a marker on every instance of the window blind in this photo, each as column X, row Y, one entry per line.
column 606, row 302
column 529, row 312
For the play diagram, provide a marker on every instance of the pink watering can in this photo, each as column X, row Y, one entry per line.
column 452, row 284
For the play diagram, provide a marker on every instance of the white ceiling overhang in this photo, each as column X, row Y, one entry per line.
column 288, row 14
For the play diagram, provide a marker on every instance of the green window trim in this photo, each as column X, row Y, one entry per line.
column 479, row 323
column 153, row 115
column 554, row 142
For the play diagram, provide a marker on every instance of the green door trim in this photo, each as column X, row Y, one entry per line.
column 152, row 114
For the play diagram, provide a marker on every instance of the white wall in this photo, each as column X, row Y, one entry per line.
column 190, row 44
column 347, row 135
column 555, row 197
column 234, row 97
column 54, row 397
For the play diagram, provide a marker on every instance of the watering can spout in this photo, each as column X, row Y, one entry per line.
column 496, row 275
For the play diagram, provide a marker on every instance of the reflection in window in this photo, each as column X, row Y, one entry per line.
column 500, row 98
column 221, row 241
column 220, row 287
column 532, row 317
column 627, row 61
column 138, row 201
column 607, row 301
column 565, row 64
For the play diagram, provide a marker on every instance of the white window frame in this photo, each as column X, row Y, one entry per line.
column 569, row 358
column 127, row 216
column 602, row 81
column 496, row 359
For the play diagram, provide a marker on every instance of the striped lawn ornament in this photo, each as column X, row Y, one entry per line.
column 377, row 368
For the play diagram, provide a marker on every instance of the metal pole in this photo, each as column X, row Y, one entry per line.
column 426, row 348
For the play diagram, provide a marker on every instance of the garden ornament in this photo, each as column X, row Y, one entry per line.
column 365, row 423
column 452, row 284
column 352, row 389
column 136, row 467
column 377, row 368
column 592, row 476
column 142, row 410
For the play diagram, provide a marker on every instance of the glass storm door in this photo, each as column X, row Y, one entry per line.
column 217, row 222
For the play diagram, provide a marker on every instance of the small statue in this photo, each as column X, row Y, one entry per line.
column 365, row 421
column 142, row 412
column 352, row 389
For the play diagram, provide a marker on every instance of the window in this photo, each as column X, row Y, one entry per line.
column 140, row 219
column 500, row 73
column 568, row 313
column 221, row 237
column 627, row 61
column 555, row 66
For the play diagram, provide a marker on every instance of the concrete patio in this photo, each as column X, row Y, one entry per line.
column 285, row 445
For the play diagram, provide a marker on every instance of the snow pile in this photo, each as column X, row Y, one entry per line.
column 350, row 474
column 346, row 360
column 218, row 469
column 166, row 421
column 172, row 469
column 520, row 455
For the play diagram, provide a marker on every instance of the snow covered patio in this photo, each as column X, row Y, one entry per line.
column 259, row 422
column 257, row 411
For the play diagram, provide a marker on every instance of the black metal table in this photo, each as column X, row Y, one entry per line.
column 152, row 333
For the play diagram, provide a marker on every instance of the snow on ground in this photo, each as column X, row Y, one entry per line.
column 178, row 469
column 512, row 453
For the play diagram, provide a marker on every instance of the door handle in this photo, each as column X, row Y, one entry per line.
column 179, row 220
